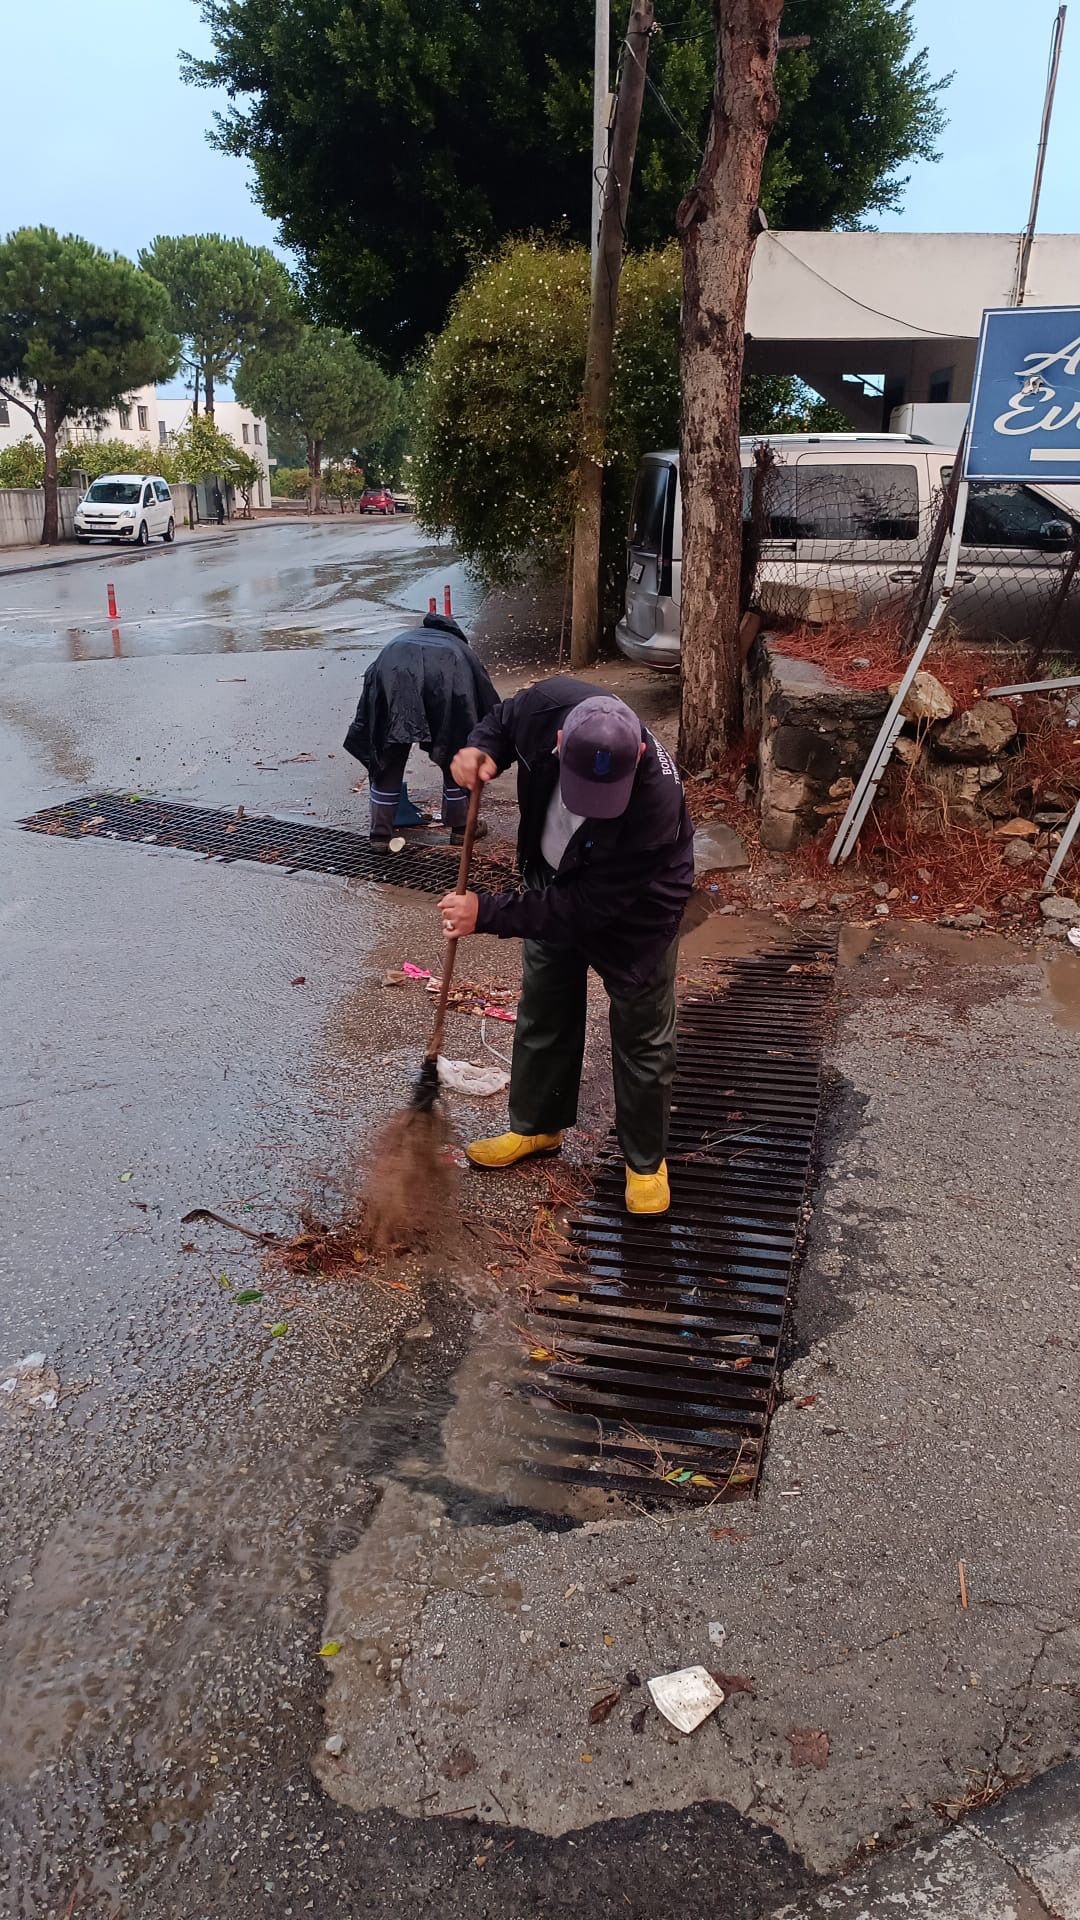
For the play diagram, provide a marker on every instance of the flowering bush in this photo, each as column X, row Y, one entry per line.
column 498, row 405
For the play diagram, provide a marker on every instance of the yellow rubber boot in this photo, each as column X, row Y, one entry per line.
column 648, row 1192
column 506, row 1149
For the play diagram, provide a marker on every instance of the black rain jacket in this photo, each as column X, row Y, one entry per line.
column 622, row 884
column 425, row 686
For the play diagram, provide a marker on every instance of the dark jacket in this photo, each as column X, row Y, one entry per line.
column 622, row 884
column 425, row 686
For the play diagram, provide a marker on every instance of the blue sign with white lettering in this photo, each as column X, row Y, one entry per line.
column 1025, row 406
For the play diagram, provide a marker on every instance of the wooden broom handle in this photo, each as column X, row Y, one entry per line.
column 434, row 1046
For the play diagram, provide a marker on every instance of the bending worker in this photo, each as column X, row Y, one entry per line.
column 425, row 686
column 605, row 849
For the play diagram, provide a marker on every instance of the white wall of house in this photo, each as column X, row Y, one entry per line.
column 145, row 420
column 902, row 308
column 241, row 425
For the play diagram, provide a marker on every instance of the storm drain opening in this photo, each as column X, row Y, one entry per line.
column 260, row 838
column 660, row 1351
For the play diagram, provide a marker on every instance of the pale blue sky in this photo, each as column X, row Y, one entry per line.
column 99, row 136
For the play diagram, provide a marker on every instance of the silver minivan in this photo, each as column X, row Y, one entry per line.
column 847, row 521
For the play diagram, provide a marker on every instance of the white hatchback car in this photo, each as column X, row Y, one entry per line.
column 126, row 506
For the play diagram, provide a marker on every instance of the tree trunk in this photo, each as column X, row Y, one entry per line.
column 208, row 404
column 50, row 532
column 195, row 402
column 596, row 390
column 718, row 223
column 316, row 475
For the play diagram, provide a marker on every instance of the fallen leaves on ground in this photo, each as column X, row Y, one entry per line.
column 602, row 1708
column 734, row 1682
column 809, row 1747
column 459, row 1763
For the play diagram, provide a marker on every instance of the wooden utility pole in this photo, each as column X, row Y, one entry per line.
column 718, row 223
column 596, row 393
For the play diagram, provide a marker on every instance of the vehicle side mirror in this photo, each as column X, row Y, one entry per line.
column 1056, row 533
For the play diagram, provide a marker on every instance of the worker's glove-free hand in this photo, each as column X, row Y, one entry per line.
column 458, row 913
column 470, row 766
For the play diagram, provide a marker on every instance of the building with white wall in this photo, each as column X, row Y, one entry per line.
column 143, row 422
column 902, row 309
column 241, row 425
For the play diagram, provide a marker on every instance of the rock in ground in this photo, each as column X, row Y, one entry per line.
column 718, row 847
column 1017, row 853
column 1058, row 906
column 978, row 734
column 925, row 699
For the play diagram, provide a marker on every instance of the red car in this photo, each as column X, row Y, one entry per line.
column 377, row 500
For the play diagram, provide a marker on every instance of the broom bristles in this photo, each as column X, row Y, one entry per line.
column 410, row 1181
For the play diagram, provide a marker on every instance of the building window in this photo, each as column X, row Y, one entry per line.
column 258, row 434
column 144, row 419
column 244, row 430
column 940, row 388
column 125, row 418
column 5, row 419
column 162, row 432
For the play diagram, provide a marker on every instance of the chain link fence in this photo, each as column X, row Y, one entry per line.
column 850, row 537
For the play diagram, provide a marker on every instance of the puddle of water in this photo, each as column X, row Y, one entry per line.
column 726, row 936
column 496, row 1439
column 1063, row 987
column 948, row 945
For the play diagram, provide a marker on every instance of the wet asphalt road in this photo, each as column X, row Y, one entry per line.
column 170, row 1523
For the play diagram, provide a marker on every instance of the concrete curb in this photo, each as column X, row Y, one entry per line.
column 117, row 552
column 1018, row 1860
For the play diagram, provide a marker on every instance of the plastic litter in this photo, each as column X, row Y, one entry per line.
column 464, row 1076
column 686, row 1697
column 717, row 1634
column 1073, row 936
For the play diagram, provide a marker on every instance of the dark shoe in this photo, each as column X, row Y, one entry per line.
column 457, row 838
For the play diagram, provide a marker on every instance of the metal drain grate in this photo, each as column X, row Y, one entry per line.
column 257, row 837
column 665, row 1342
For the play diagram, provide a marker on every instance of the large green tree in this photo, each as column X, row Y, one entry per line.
column 323, row 390
column 227, row 297
column 398, row 141
column 79, row 330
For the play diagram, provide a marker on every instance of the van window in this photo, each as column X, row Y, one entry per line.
column 1004, row 516
column 649, row 511
column 113, row 493
column 781, row 522
column 162, row 492
column 856, row 502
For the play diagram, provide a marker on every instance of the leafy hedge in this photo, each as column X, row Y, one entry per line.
column 498, row 423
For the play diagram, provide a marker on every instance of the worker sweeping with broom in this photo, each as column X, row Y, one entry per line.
column 605, row 848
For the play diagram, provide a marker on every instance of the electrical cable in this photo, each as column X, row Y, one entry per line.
column 934, row 332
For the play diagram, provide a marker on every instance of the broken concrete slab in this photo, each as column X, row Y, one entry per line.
column 959, row 1878
column 1036, row 1830
column 718, row 848
column 926, row 1401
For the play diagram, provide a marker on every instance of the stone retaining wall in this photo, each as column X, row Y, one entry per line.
column 814, row 739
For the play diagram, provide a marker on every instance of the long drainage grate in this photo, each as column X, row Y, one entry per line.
column 257, row 837
column 665, row 1339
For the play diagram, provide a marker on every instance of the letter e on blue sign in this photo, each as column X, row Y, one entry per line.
column 1025, row 404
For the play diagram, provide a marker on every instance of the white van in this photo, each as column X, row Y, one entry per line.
column 849, row 517
column 126, row 506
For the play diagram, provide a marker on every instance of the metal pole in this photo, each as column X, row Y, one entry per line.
column 881, row 752
column 1063, row 846
column 601, row 112
column 1040, row 159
